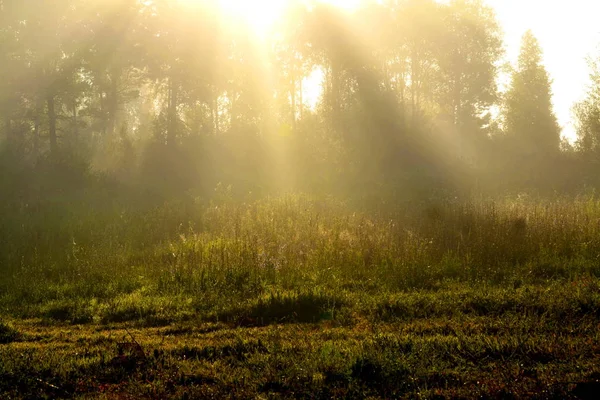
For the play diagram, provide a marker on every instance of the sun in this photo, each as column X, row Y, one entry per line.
column 348, row 5
column 261, row 15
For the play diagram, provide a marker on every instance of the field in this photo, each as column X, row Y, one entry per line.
column 301, row 297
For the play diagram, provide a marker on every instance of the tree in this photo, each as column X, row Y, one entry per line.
column 587, row 113
column 528, row 116
column 182, row 57
column 412, row 41
column 114, row 62
column 51, row 37
column 291, row 61
column 12, row 65
column 470, row 49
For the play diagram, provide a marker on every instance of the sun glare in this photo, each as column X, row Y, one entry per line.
column 259, row 14
column 349, row 5
column 262, row 14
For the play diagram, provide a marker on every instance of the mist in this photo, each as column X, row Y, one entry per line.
column 291, row 198
column 178, row 97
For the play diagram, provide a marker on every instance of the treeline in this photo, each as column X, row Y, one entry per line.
column 180, row 96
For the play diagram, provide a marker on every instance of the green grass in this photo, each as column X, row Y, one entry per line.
column 467, row 356
column 8, row 334
column 300, row 297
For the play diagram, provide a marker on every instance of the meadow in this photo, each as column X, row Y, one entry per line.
column 300, row 297
column 276, row 199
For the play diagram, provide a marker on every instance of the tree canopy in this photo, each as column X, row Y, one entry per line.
column 406, row 91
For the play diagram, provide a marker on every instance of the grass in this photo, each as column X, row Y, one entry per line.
column 8, row 334
column 299, row 297
column 468, row 356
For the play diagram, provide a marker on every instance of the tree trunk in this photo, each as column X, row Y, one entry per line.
column 113, row 102
column 413, row 91
column 36, row 129
column 216, row 115
column 301, row 94
column 103, row 115
column 172, row 113
column 386, row 75
column 8, row 129
column 335, row 96
column 52, row 124
column 75, row 123
column 415, row 82
column 293, row 95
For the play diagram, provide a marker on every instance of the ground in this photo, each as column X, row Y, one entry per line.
column 303, row 298
column 479, row 349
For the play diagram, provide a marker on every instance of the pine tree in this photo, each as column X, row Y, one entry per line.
column 528, row 116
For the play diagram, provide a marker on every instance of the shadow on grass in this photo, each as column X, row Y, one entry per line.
column 239, row 351
column 147, row 318
column 556, row 302
column 68, row 312
column 8, row 334
column 284, row 307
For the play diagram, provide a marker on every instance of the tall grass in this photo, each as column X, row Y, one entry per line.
column 79, row 263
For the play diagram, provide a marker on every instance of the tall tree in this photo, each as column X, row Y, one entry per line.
column 51, row 41
column 12, row 64
column 419, row 24
column 528, row 115
column 471, row 46
column 291, row 61
column 114, row 61
column 187, row 39
column 587, row 113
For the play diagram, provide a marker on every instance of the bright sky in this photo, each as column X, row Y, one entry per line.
column 262, row 13
column 568, row 31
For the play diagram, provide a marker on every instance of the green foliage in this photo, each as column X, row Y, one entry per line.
column 587, row 113
column 175, row 96
column 528, row 113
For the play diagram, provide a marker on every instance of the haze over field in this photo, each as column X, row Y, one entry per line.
column 293, row 199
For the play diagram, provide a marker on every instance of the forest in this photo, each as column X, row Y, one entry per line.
column 291, row 199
